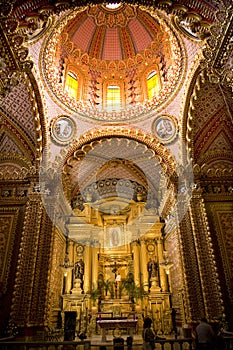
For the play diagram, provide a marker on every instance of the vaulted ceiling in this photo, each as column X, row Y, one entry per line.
column 202, row 106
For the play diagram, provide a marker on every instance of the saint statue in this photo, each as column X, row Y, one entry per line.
column 152, row 268
column 79, row 269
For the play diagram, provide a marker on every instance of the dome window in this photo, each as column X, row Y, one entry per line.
column 152, row 84
column 71, row 85
column 113, row 97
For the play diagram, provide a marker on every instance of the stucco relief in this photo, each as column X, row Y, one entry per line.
column 8, row 220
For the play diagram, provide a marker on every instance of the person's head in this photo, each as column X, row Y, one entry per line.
column 203, row 319
column 147, row 322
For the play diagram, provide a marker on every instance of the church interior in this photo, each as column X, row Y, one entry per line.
column 116, row 177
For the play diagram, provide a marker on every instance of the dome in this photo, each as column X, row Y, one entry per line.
column 117, row 34
column 113, row 64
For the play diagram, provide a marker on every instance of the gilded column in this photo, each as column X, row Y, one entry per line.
column 136, row 257
column 87, row 269
column 143, row 263
column 69, row 273
column 94, row 266
column 162, row 272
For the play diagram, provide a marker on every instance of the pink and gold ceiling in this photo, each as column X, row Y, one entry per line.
column 112, row 34
column 122, row 44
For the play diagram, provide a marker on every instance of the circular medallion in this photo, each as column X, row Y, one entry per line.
column 165, row 128
column 79, row 249
column 150, row 248
column 62, row 129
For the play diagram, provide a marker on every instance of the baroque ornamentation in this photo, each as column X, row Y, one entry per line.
column 26, row 265
column 205, row 258
column 51, row 72
column 173, row 248
column 219, row 47
column 193, row 298
column 223, row 224
column 97, row 134
column 8, row 222
column 13, row 60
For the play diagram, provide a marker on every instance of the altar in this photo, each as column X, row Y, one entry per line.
column 116, row 323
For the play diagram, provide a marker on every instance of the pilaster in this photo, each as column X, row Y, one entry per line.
column 192, row 297
column 30, row 291
column 210, row 283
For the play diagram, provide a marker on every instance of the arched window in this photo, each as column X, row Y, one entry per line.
column 71, row 85
column 152, row 84
column 113, row 97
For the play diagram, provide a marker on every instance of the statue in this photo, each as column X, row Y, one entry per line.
column 152, row 268
column 79, row 269
column 117, row 285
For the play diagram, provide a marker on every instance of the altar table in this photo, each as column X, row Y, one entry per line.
column 116, row 323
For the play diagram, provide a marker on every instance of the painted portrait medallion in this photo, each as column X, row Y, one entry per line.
column 165, row 128
column 62, row 129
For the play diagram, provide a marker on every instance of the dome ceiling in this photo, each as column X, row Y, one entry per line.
column 112, row 34
column 118, row 47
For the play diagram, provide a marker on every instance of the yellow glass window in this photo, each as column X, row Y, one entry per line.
column 152, row 84
column 113, row 96
column 71, row 85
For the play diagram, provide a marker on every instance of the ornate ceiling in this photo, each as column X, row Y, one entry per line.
column 117, row 34
column 194, row 38
column 121, row 46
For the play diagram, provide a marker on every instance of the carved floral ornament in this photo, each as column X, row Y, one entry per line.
column 13, row 60
column 103, row 15
column 218, row 52
column 218, row 170
column 15, row 167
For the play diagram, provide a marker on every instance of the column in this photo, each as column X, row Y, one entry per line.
column 210, row 283
column 31, row 283
column 87, row 269
column 143, row 263
column 136, row 262
column 70, row 272
column 162, row 272
column 94, row 266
